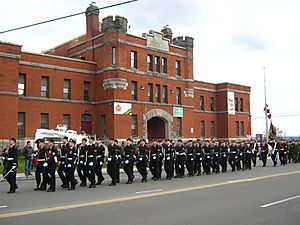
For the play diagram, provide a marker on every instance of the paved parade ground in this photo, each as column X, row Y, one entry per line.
column 260, row 196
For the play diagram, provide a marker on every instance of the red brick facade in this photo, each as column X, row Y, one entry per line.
column 89, row 58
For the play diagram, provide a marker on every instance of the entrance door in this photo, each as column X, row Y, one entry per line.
column 156, row 128
column 86, row 123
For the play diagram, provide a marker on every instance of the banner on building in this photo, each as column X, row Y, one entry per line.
column 230, row 102
column 177, row 112
column 122, row 108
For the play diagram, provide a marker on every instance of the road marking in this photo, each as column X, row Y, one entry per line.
column 281, row 201
column 143, row 192
column 136, row 197
column 3, row 206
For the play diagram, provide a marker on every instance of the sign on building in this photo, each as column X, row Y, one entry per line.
column 230, row 103
column 177, row 112
column 122, row 108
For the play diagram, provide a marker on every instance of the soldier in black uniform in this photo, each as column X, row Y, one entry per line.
column 100, row 152
column 207, row 158
column 70, row 165
column 119, row 160
column 112, row 162
column 51, row 161
column 42, row 156
column 129, row 160
column 274, row 152
column 255, row 149
column 241, row 157
column 168, row 151
column 190, row 160
column 198, row 158
column 216, row 157
column 11, row 165
column 62, row 163
column 233, row 155
column 264, row 152
column 91, row 162
column 282, row 153
column 82, row 160
column 248, row 156
column 160, row 158
column 142, row 156
column 154, row 160
column 180, row 152
column 223, row 156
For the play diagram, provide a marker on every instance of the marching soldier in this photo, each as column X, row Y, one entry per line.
column 264, row 152
column 248, row 158
column 100, row 152
column 282, row 153
column 216, row 157
column 82, row 160
column 207, row 158
column 90, row 163
column 11, row 165
column 62, row 163
column 255, row 150
column 154, row 160
column 160, row 158
column 273, row 152
column 223, row 157
column 119, row 160
column 50, row 168
column 168, row 150
column 42, row 156
column 129, row 160
column 241, row 157
column 142, row 159
column 71, row 156
column 180, row 152
column 190, row 158
column 198, row 158
column 233, row 156
column 112, row 162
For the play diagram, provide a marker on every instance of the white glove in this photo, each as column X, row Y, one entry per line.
column 14, row 167
column 126, row 161
column 45, row 164
column 91, row 164
column 69, row 165
column 101, row 163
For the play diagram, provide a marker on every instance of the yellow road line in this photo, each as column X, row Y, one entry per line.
column 136, row 197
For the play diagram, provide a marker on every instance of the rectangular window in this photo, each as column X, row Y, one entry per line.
column 164, row 64
column 134, row 90
column 242, row 129
column 236, row 103
column 133, row 59
column 114, row 55
column 202, row 103
column 202, row 128
column 44, row 120
column 134, row 126
column 179, row 126
column 212, row 129
column 45, row 87
column 178, row 68
column 67, row 89
column 67, row 121
column 237, row 128
column 178, row 96
column 87, row 90
column 150, row 62
column 212, row 104
column 103, row 125
column 21, row 124
column 22, row 84
column 157, row 64
column 241, row 105
column 157, row 93
column 165, row 94
column 150, row 92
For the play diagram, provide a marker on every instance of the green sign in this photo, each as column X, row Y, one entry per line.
column 177, row 112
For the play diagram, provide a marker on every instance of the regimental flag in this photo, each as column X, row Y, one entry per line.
column 272, row 131
column 268, row 112
column 249, row 135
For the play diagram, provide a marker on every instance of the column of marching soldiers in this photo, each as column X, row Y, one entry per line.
column 88, row 158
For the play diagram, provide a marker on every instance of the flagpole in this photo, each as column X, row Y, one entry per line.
column 266, row 116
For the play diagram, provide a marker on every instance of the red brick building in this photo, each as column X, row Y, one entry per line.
column 111, row 83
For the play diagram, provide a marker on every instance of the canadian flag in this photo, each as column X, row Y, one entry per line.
column 268, row 112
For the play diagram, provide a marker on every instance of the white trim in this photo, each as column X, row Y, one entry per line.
column 10, row 55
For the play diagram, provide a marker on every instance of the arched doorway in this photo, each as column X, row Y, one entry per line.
column 156, row 128
column 86, row 123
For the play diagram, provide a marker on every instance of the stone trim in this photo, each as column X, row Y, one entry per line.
column 8, row 93
column 221, row 90
column 10, row 55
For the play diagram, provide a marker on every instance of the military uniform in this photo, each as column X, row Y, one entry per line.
column 216, row 158
column 198, row 159
column 128, row 162
column 118, row 162
column 100, row 152
column 42, row 156
column 223, row 157
column 282, row 153
column 11, row 164
column 248, row 156
column 263, row 153
column 180, row 152
column 82, row 164
column 61, row 170
column 51, row 167
column 274, row 152
column 255, row 148
column 190, row 159
column 142, row 160
column 90, row 165
column 70, row 166
column 233, row 156
column 207, row 159
column 112, row 163
column 154, row 161
column 169, row 160
column 241, row 157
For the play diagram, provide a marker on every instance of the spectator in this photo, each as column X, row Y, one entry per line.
column 28, row 150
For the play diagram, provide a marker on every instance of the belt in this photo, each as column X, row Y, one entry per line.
column 181, row 153
column 168, row 154
column 41, row 160
column 190, row 153
column 63, row 157
column 90, row 156
column 82, row 156
column 127, row 155
column 198, row 153
column 69, row 158
column 99, row 156
column 233, row 152
column 10, row 159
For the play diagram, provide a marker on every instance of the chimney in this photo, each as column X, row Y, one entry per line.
column 92, row 20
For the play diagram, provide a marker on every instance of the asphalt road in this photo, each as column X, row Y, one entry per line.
column 260, row 196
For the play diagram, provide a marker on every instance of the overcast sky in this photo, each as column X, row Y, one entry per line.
column 234, row 40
